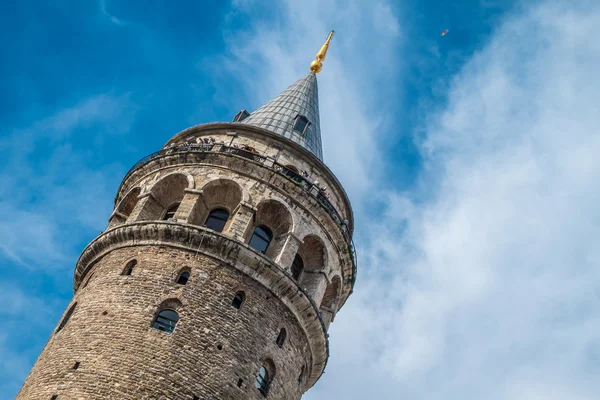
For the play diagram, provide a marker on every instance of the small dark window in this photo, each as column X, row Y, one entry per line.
column 55, row 397
column 240, row 382
column 66, row 318
column 183, row 277
column 238, row 300
column 262, row 381
column 242, row 115
column 194, row 397
column 166, row 320
column 261, row 238
column 281, row 337
column 76, row 365
column 300, row 124
column 297, row 267
column 301, row 376
column 170, row 213
column 217, row 219
column 292, row 168
column 128, row 270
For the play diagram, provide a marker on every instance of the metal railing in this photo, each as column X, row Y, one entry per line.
column 301, row 181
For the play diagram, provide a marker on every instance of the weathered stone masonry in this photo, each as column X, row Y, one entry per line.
column 215, row 350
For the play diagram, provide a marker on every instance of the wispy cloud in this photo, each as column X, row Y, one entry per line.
column 273, row 54
column 47, row 185
column 487, row 288
column 111, row 17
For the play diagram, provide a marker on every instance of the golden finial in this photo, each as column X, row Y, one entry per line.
column 316, row 66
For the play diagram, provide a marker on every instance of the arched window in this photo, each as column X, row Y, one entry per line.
column 301, row 376
column 262, row 381
column 281, row 337
column 238, row 300
column 170, row 213
column 297, row 267
column 166, row 320
column 128, row 270
column 66, row 317
column 217, row 219
column 261, row 238
column 183, row 277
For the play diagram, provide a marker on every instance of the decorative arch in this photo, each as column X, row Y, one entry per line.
column 278, row 219
column 165, row 195
column 127, row 204
column 275, row 214
column 169, row 189
column 217, row 194
column 313, row 253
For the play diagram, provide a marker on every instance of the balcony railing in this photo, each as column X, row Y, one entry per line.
column 308, row 186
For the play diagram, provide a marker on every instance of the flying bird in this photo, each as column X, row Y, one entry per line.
column 444, row 32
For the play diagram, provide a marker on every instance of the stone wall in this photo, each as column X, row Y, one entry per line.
column 212, row 347
column 108, row 348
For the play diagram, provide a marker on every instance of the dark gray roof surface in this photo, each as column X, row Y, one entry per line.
column 279, row 114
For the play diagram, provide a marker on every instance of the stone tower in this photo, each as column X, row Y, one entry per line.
column 227, row 256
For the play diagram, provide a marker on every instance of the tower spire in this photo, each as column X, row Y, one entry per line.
column 317, row 65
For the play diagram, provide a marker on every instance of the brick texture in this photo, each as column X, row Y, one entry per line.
column 215, row 350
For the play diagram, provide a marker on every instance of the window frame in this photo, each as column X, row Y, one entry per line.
column 210, row 215
column 129, row 267
column 181, row 274
column 281, row 338
column 300, row 117
column 265, row 229
column 171, row 209
column 171, row 323
column 241, row 302
column 262, row 382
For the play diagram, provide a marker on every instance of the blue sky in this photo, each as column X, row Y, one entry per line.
column 470, row 160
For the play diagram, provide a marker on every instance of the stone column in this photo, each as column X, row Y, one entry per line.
column 147, row 208
column 315, row 283
column 240, row 221
column 187, row 205
column 327, row 317
column 286, row 255
column 116, row 219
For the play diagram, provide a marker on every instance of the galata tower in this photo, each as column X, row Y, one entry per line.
column 228, row 254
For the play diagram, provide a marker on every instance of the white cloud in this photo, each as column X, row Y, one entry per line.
column 272, row 55
column 45, row 191
column 491, row 290
column 385, row 20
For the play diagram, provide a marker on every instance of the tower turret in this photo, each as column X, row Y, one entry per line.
column 227, row 256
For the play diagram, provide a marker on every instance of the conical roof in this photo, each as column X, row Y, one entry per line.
column 279, row 115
